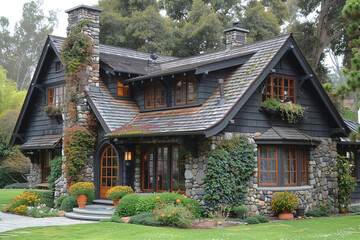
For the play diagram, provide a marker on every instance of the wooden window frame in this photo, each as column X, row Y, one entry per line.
column 274, row 86
column 164, row 168
column 187, row 80
column 276, row 166
column 58, row 66
column 151, row 94
column 45, row 167
column 177, row 162
column 122, row 90
column 303, row 170
column 289, row 171
column 56, row 96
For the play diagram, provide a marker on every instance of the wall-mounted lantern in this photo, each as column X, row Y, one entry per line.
column 128, row 156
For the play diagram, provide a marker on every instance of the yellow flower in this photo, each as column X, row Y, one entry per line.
column 157, row 218
column 178, row 200
column 169, row 215
column 163, row 214
column 157, row 198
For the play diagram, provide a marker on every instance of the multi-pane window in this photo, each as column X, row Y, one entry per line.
column 58, row 66
column 186, row 91
column 290, row 165
column 122, row 90
column 268, row 165
column 109, row 167
column 56, row 96
column 163, row 169
column 154, row 95
column 48, row 155
column 282, row 165
column 278, row 87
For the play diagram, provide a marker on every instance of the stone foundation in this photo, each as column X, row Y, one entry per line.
column 35, row 175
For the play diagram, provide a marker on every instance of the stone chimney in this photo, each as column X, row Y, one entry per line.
column 92, row 29
column 235, row 36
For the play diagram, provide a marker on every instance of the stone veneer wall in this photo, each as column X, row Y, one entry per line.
column 322, row 175
column 35, row 175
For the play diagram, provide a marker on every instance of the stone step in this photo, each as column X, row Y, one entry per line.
column 104, row 202
column 94, row 211
column 80, row 216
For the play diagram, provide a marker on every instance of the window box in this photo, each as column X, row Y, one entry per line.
column 53, row 110
column 290, row 111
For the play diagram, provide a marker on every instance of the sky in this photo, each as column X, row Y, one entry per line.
column 12, row 10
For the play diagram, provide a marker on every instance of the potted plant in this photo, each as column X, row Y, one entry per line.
column 81, row 190
column 53, row 110
column 283, row 203
column 291, row 111
column 116, row 193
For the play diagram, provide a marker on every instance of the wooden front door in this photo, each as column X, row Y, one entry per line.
column 109, row 170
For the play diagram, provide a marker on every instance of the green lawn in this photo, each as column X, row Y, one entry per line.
column 6, row 195
column 347, row 227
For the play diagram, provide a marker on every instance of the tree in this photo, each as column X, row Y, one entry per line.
column 19, row 52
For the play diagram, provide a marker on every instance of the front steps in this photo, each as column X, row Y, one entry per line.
column 101, row 209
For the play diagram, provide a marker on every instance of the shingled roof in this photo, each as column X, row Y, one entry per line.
column 353, row 126
column 43, row 142
column 198, row 120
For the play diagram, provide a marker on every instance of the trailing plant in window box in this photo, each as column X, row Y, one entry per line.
column 78, row 144
column 345, row 182
column 53, row 110
column 293, row 112
column 230, row 167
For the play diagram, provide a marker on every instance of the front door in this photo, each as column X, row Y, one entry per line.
column 109, row 170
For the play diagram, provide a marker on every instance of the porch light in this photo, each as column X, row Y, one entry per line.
column 127, row 156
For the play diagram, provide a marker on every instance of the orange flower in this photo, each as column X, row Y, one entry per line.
column 169, row 215
column 157, row 198
column 173, row 211
column 178, row 200
column 157, row 218
column 162, row 204
column 163, row 214
column 181, row 208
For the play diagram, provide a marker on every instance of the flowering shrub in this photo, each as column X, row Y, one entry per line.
column 40, row 211
column 53, row 110
column 82, row 188
column 345, row 182
column 118, row 192
column 174, row 215
column 20, row 203
column 284, row 201
column 77, row 143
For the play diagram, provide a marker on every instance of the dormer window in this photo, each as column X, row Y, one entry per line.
column 122, row 90
column 278, row 87
column 186, row 91
column 58, row 66
column 154, row 95
column 56, row 96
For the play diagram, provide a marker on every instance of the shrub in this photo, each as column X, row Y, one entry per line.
column 261, row 219
column 174, row 215
column 7, row 177
column 118, row 192
column 68, row 204
column 284, row 201
column 148, row 203
column 239, row 211
column 316, row 213
column 114, row 218
column 127, row 205
column 59, row 200
column 230, row 167
column 355, row 209
column 148, row 219
column 82, row 188
column 91, row 198
column 55, row 173
column 20, row 203
column 17, row 186
column 46, row 196
column 325, row 207
column 40, row 211
column 252, row 220
column 345, row 181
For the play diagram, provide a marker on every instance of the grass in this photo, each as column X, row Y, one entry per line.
column 6, row 195
column 345, row 227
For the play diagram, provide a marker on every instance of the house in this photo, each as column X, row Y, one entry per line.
column 160, row 116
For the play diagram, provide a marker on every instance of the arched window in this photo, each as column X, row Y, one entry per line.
column 109, row 170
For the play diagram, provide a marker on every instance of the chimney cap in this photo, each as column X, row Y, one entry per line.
column 236, row 28
column 84, row 6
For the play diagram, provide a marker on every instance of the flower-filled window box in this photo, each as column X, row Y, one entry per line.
column 53, row 110
column 291, row 111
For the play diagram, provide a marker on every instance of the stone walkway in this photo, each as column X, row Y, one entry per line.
column 10, row 221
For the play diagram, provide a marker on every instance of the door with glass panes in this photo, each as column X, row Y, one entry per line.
column 109, row 170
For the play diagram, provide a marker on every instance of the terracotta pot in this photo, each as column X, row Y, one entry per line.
column 116, row 202
column 286, row 215
column 82, row 199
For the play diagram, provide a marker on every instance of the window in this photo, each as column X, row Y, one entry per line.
column 122, row 90
column 56, row 96
column 353, row 159
column 163, row 170
column 280, row 87
column 282, row 166
column 48, row 155
column 186, row 91
column 154, row 95
column 58, row 66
